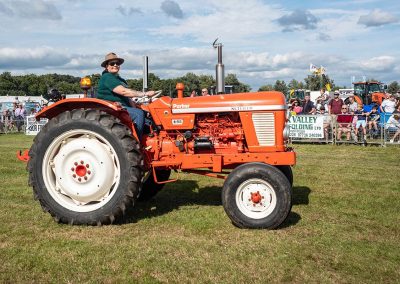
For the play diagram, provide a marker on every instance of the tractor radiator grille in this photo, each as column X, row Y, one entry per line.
column 264, row 124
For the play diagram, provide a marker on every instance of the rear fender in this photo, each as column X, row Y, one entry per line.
column 88, row 103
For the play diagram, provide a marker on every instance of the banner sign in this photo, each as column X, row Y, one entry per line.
column 306, row 126
column 32, row 126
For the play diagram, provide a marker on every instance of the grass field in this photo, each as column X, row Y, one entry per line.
column 344, row 227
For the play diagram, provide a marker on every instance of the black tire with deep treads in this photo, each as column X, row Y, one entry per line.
column 128, row 154
column 270, row 174
column 149, row 187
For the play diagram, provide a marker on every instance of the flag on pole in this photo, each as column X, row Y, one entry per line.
column 322, row 70
column 313, row 68
column 328, row 87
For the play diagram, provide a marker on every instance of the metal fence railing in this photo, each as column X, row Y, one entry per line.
column 329, row 129
column 343, row 129
column 11, row 124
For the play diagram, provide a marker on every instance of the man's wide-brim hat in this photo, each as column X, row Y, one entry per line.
column 111, row 56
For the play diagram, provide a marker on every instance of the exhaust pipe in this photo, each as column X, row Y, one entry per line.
column 145, row 73
column 219, row 69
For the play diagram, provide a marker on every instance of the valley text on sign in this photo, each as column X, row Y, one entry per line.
column 306, row 126
column 32, row 126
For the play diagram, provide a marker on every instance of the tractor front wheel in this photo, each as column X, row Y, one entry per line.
column 287, row 171
column 257, row 195
column 85, row 167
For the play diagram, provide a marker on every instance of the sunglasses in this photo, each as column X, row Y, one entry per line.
column 115, row 63
column 345, row 108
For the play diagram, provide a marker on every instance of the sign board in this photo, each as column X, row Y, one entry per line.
column 306, row 126
column 32, row 126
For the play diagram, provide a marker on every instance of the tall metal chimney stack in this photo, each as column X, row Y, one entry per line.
column 145, row 73
column 219, row 70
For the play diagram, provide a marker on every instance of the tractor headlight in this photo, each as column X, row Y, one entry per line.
column 286, row 132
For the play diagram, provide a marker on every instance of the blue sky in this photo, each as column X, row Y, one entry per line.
column 263, row 40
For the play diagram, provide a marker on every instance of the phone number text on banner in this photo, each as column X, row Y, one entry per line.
column 32, row 126
column 306, row 126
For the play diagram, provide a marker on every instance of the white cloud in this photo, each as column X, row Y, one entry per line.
column 298, row 20
column 233, row 21
column 379, row 64
column 172, row 9
column 34, row 9
column 377, row 18
column 31, row 57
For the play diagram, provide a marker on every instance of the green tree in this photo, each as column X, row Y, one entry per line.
column 313, row 82
column 393, row 87
column 7, row 84
column 238, row 87
column 280, row 86
column 296, row 85
column 191, row 82
column 267, row 87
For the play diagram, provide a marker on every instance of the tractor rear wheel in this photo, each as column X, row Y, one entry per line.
column 85, row 167
column 257, row 195
column 149, row 187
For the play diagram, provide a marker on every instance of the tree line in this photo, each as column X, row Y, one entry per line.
column 40, row 85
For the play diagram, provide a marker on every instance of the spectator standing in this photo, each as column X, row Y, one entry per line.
column 353, row 105
column 308, row 105
column 322, row 99
column 19, row 114
column 204, row 92
column 344, row 122
column 393, row 125
column 8, row 123
column 335, row 105
column 388, row 105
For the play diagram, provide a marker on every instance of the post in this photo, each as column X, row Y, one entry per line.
column 145, row 73
column 219, row 70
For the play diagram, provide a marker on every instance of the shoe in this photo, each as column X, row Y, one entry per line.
column 391, row 141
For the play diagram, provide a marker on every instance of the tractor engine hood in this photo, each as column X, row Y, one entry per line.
column 260, row 101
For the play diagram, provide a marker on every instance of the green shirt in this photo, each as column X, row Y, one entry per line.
column 107, row 83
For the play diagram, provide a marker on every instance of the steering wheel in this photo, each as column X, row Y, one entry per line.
column 157, row 94
column 146, row 99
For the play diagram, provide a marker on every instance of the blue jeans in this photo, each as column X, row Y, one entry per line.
column 137, row 116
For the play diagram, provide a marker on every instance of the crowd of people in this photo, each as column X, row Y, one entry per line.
column 13, row 119
column 350, row 118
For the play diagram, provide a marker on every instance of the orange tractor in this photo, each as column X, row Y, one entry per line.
column 369, row 92
column 87, row 165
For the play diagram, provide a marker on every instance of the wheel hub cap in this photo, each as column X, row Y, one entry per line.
column 256, row 198
column 84, row 170
column 81, row 172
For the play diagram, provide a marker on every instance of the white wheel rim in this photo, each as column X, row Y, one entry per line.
column 81, row 170
column 256, row 198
